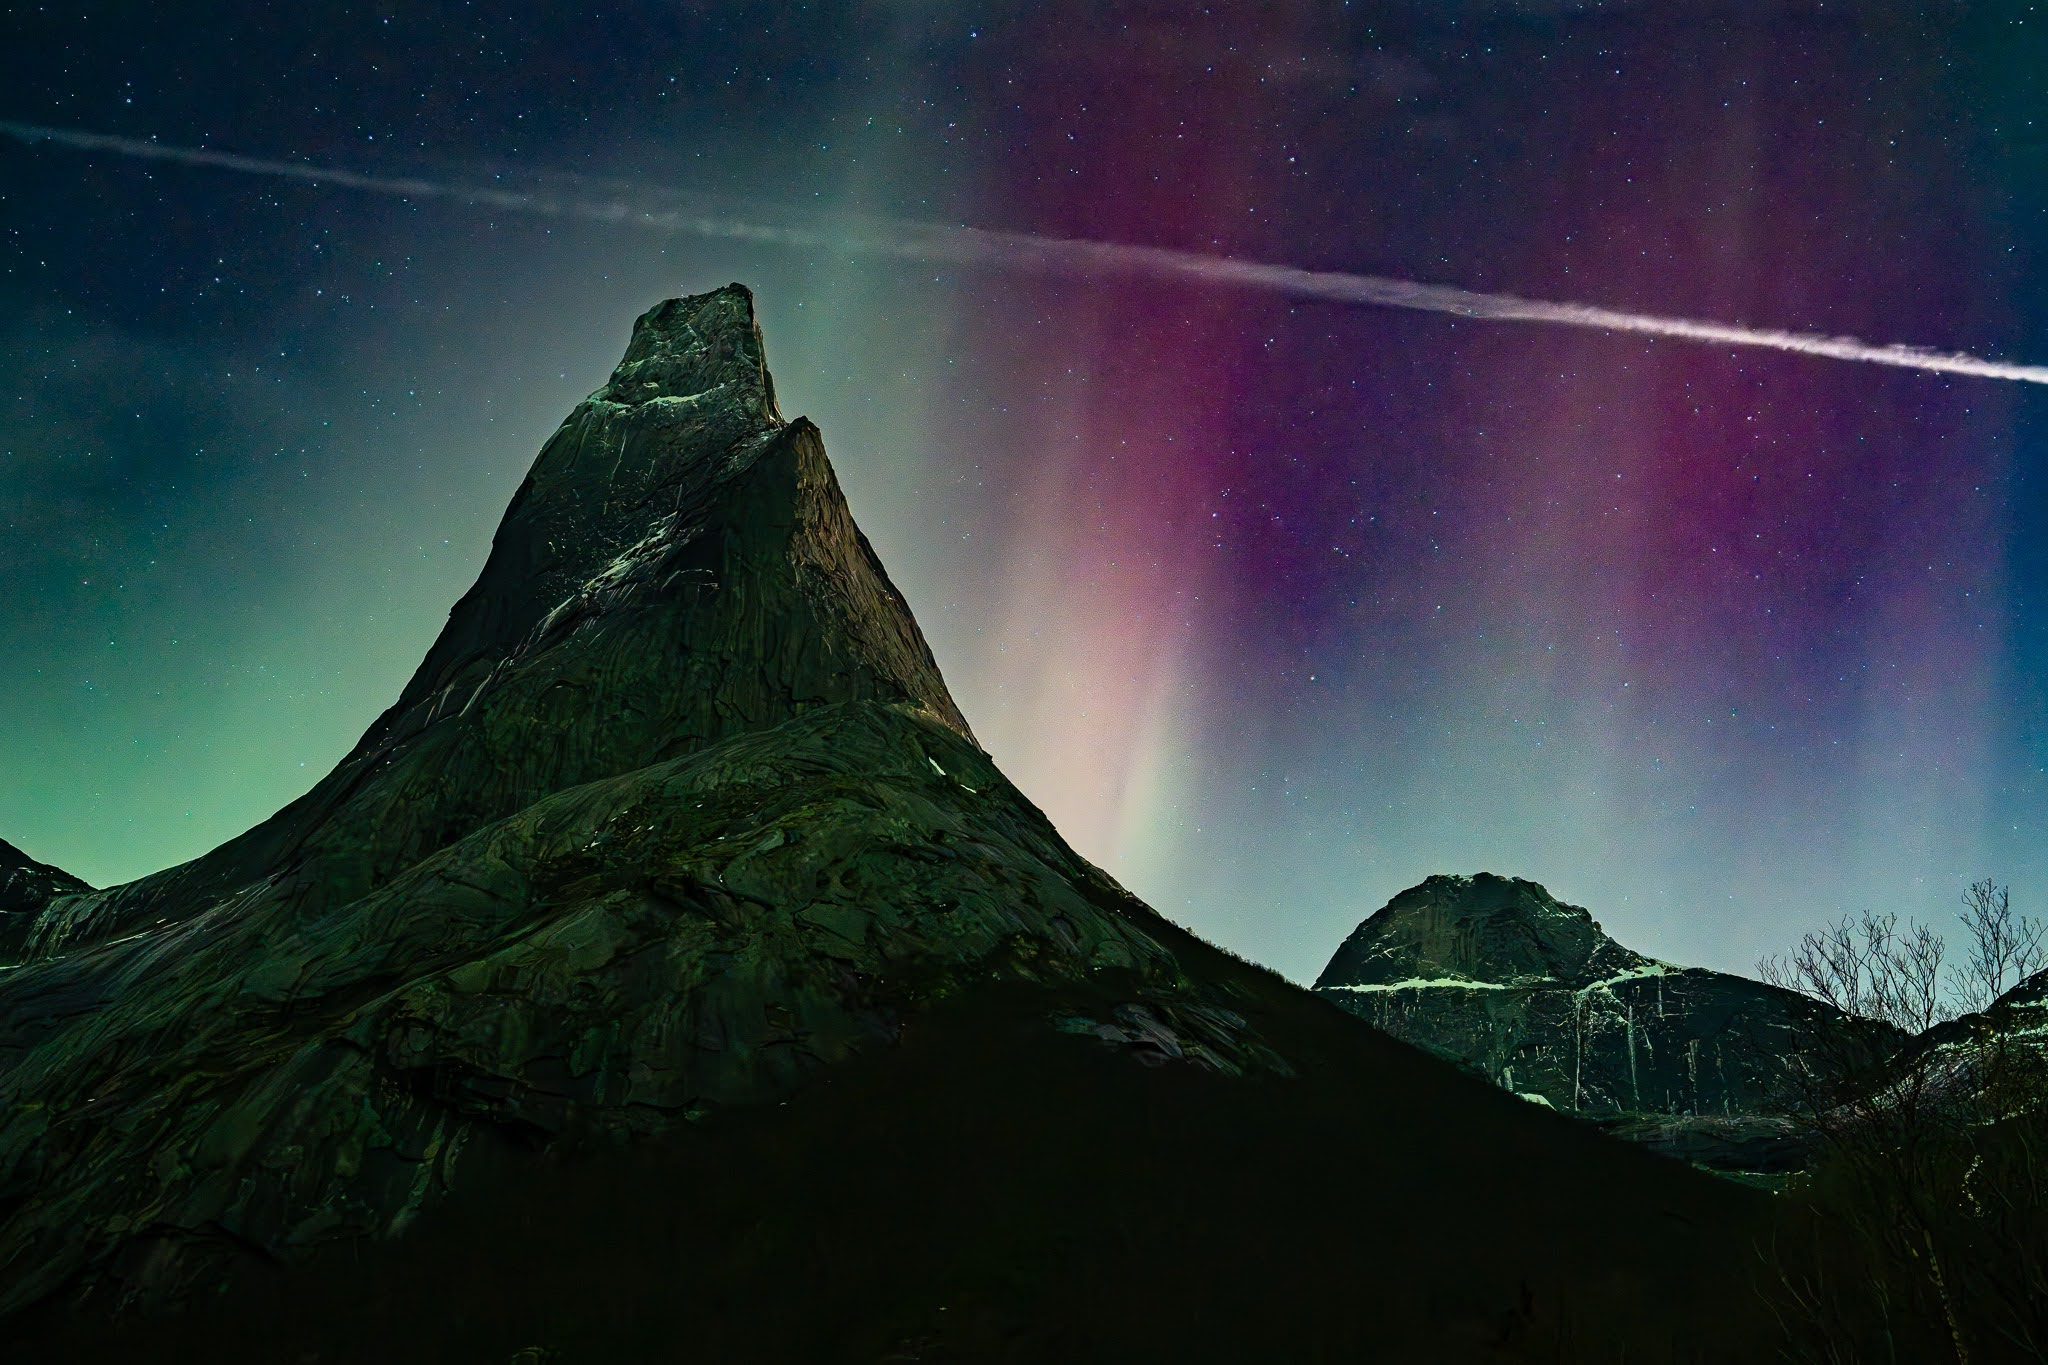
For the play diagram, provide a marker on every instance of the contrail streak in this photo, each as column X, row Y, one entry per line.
column 909, row 240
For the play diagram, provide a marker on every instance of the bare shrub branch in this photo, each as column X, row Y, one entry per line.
column 2004, row 950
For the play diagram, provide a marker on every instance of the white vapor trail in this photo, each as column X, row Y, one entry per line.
column 911, row 240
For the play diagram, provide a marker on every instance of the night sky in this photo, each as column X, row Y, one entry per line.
column 1275, row 605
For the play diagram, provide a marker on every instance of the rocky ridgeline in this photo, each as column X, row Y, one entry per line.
column 26, row 888
column 1499, row 976
column 676, row 810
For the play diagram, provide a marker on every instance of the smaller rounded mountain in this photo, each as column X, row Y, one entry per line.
column 1498, row 975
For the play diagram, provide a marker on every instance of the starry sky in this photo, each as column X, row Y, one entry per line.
column 1275, row 605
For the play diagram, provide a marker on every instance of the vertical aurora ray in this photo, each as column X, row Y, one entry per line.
column 1710, row 641
column 1774, row 586
column 1107, row 591
column 1100, row 592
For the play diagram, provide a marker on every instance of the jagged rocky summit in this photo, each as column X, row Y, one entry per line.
column 1498, row 975
column 676, row 809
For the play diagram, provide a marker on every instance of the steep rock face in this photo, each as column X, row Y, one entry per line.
column 1500, row 976
column 676, row 810
column 26, row 888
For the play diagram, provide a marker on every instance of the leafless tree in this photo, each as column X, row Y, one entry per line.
column 1929, row 1122
column 2004, row 950
column 1869, row 968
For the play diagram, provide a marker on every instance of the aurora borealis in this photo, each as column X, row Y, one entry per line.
column 1275, row 606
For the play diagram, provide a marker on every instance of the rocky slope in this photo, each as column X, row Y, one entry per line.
column 2021, row 1013
column 1987, row 1063
column 1498, row 975
column 677, row 818
column 26, row 888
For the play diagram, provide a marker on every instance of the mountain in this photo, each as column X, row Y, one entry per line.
column 1981, row 1064
column 674, row 809
column 2020, row 1012
column 668, row 970
column 1498, row 975
column 26, row 887
column 603, row 633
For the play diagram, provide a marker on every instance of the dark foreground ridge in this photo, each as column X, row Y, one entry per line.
column 669, row 975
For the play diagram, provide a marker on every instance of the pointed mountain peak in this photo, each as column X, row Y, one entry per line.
column 694, row 348
column 1483, row 928
column 676, row 499
column 680, row 566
